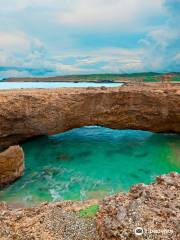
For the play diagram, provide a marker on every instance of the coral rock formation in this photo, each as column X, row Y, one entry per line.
column 11, row 165
column 146, row 212
column 53, row 221
column 154, row 208
column 33, row 112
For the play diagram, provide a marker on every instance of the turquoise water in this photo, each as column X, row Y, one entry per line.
column 18, row 85
column 91, row 162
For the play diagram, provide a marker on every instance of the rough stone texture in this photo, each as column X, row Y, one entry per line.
column 53, row 221
column 11, row 165
column 33, row 112
column 154, row 207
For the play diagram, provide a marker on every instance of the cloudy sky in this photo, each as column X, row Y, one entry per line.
column 57, row 37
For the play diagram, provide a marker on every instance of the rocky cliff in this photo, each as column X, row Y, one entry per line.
column 11, row 165
column 33, row 112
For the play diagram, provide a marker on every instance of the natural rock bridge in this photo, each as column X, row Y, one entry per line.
column 33, row 112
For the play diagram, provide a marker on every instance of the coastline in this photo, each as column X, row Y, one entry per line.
column 99, row 78
column 152, row 207
column 26, row 113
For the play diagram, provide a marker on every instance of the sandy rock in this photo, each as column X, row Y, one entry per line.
column 154, row 208
column 11, row 165
column 52, row 221
column 33, row 112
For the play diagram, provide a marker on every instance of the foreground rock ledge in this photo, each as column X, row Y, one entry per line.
column 11, row 165
column 33, row 112
column 154, row 207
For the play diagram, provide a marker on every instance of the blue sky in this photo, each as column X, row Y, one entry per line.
column 57, row 37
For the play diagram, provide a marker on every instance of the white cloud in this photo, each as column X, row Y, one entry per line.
column 161, row 45
column 58, row 34
column 19, row 49
column 13, row 41
column 67, row 68
column 102, row 14
column 19, row 5
column 124, row 67
column 13, row 73
column 162, row 37
column 17, row 41
column 107, row 59
column 177, row 57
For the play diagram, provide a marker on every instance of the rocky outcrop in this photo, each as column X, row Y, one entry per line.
column 32, row 112
column 49, row 221
column 11, row 165
column 146, row 212
column 154, row 209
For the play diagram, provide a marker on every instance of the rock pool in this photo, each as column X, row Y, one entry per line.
column 91, row 162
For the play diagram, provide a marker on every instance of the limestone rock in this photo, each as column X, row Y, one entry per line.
column 49, row 221
column 146, row 212
column 26, row 113
column 11, row 165
column 155, row 208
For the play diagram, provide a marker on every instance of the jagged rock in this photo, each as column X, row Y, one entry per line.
column 49, row 221
column 11, row 165
column 154, row 208
column 33, row 112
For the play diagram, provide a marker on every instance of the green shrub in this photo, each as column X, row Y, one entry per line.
column 89, row 211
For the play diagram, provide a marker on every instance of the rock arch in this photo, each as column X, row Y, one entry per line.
column 33, row 112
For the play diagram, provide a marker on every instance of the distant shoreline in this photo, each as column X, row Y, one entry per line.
column 97, row 78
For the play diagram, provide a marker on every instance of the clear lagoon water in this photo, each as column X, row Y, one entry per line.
column 91, row 162
column 19, row 85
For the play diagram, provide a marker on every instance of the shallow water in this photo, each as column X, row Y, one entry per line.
column 18, row 85
column 91, row 162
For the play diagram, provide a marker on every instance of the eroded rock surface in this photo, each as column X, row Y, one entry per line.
column 11, row 165
column 155, row 208
column 53, row 221
column 34, row 112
